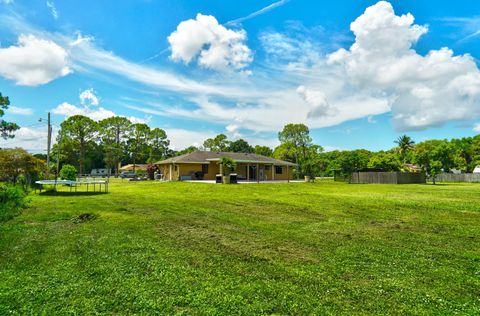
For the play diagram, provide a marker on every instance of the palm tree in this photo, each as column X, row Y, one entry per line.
column 405, row 144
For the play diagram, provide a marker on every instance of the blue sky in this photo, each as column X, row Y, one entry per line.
column 246, row 68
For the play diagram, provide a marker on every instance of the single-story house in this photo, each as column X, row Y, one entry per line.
column 476, row 170
column 203, row 165
column 138, row 167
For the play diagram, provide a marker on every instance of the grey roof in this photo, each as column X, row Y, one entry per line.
column 208, row 156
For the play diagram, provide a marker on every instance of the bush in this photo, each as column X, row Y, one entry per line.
column 12, row 201
column 68, row 172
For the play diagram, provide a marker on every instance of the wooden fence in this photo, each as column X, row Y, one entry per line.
column 458, row 177
column 387, row 177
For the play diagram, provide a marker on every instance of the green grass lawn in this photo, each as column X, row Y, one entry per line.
column 194, row 248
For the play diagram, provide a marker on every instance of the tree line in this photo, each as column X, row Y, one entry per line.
column 116, row 141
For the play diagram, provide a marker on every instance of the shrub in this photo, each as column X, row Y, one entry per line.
column 68, row 172
column 12, row 200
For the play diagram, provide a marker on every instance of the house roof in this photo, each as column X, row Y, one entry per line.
column 130, row 167
column 204, row 157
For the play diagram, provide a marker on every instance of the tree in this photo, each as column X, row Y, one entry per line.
column 114, row 132
column 241, row 146
column 435, row 168
column 263, row 150
column 353, row 161
column 434, row 156
column 158, row 145
column 405, row 144
column 311, row 164
column 138, row 143
column 80, row 130
column 385, row 160
column 218, row 143
column 187, row 150
column 6, row 128
column 295, row 140
column 16, row 162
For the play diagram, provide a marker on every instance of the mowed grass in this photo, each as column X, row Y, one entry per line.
column 194, row 248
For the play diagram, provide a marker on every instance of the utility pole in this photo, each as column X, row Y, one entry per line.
column 58, row 161
column 49, row 143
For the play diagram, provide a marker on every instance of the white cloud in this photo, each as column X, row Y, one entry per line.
column 182, row 138
column 259, row 12
column 34, row 61
column 318, row 102
column 33, row 139
column 476, row 128
column 90, row 107
column 66, row 109
column 88, row 98
column 19, row 110
column 213, row 45
column 53, row 9
column 379, row 73
column 425, row 90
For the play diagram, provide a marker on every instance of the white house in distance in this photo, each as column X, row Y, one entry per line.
column 477, row 169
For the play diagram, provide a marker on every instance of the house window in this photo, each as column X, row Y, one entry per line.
column 267, row 167
column 175, row 167
column 278, row 170
column 205, row 169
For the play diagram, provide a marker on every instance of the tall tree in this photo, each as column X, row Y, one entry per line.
column 218, row 143
column 138, row 143
column 405, row 144
column 434, row 156
column 80, row 130
column 263, row 150
column 295, row 138
column 187, row 150
column 6, row 128
column 114, row 133
column 158, row 143
column 241, row 146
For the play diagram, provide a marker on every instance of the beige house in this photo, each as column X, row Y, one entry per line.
column 203, row 165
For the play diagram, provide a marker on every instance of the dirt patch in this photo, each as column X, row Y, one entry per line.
column 85, row 217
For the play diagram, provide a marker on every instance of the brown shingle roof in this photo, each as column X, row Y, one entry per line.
column 207, row 156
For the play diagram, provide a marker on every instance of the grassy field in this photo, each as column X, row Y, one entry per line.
column 192, row 248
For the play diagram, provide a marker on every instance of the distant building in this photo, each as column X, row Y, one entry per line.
column 103, row 172
column 476, row 170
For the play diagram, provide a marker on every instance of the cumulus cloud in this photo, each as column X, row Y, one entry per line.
column 66, row 109
column 211, row 44
column 88, row 98
column 89, row 107
column 33, row 61
column 425, row 90
column 318, row 102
